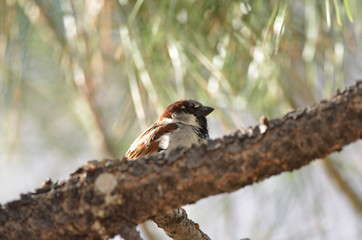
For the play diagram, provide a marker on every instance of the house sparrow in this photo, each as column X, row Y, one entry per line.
column 180, row 125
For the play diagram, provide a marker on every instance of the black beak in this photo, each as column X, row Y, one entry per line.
column 204, row 111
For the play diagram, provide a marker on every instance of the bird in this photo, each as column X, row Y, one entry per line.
column 181, row 124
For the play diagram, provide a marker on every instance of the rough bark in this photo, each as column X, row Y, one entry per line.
column 178, row 226
column 111, row 197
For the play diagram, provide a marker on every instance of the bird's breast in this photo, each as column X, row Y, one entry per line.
column 183, row 136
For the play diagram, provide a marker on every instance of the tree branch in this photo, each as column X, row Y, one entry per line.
column 178, row 226
column 111, row 197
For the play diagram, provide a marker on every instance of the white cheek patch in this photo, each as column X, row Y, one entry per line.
column 185, row 118
column 192, row 121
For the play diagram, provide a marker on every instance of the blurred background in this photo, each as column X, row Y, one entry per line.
column 81, row 79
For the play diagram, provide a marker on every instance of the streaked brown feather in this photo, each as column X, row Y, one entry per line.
column 147, row 143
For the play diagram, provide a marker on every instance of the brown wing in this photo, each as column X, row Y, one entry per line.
column 148, row 142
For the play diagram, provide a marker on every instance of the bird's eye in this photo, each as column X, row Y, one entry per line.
column 196, row 106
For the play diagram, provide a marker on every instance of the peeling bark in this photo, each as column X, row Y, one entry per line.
column 111, row 197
